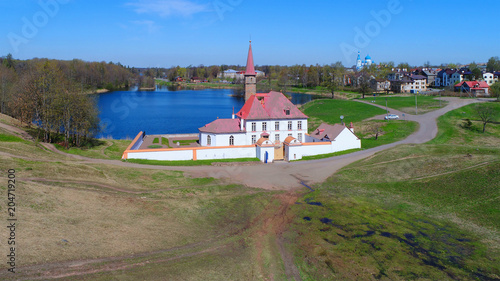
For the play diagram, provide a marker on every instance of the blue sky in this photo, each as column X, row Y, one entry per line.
column 164, row 33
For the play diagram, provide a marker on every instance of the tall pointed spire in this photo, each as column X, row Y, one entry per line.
column 250, row 76
column 250, row 67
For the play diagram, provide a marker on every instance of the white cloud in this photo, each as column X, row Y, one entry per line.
column 150, row 25
column 167, row 8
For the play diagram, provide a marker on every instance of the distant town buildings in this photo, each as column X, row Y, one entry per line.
column 235, row 74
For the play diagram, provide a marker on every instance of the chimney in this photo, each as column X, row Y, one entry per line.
column 233, row 114
column 351, row 127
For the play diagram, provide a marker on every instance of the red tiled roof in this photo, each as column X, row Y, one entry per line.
column 473, row 84
column 250, row 67
column 222, row 126
column 273, row 105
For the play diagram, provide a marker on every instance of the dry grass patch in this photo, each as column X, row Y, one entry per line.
column 71, row 222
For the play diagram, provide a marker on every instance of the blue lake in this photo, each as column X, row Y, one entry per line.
column 124, row 114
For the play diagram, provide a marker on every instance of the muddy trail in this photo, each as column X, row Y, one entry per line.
column 269, row 230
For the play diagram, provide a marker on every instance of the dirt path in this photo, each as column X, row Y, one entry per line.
column 270, row 228
column 21, row 133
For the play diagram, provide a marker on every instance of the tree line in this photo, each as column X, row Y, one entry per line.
column 53, row 95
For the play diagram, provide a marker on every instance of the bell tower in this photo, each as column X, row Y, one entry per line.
column 250, row 76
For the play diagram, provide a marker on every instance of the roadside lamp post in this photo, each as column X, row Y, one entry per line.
column 342, row 119
column 416, row 108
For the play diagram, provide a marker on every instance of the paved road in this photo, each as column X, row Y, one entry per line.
column 288, row 176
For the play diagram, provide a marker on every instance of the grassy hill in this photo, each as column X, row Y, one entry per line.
column 427, row 211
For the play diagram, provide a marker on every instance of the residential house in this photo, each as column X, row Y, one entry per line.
column 490, row 78
column 409, row 84
column 429, row 74
column 473, row 88
column 380, row 85
column 398, row 75
column 443, row 77
column 196, row 79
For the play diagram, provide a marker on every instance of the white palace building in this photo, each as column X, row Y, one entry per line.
column 268, row 127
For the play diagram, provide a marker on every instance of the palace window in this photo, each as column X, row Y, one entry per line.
column 289, row 125
column 264, row 126
column 289, row 135
column 254, row 139
column 277, row 137
column 299, row 137
column 277, row 126
column 254, row 126
column 299, row 125
column 231, row 140
column 209, row 140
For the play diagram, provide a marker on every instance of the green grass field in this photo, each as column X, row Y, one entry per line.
column 329, row 111
column 10, row 138
column 429, row 212
column 105, row 149
column 451, row 130
column 407, row 103
column 390, row 131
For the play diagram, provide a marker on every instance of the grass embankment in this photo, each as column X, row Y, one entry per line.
column 101, row 149
column 322, row 156
column 390, row 131
column 428, row 211
column 406, row 104
column 452, row 130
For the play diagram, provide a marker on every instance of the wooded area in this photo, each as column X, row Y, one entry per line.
column 53, row 95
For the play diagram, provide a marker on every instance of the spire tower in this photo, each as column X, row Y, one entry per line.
column 250, row 76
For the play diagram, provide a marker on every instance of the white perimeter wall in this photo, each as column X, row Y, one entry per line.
column 171, row 155
column 226, row 153
column 223, row 139
column 201, row 154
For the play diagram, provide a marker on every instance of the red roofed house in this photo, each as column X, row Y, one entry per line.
column 476, row 88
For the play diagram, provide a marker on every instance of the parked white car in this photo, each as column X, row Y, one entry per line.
column 391, row 117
